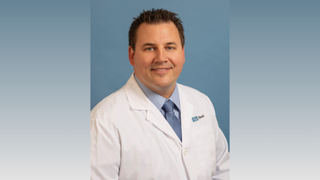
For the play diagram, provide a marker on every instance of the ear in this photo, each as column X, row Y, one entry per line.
column 184, row 59
column 131, row 55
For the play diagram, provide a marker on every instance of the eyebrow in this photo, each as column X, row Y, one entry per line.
column 148, row 44
column 171, row 43
column 152, row 44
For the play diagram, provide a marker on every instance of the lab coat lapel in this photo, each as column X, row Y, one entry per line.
column 139, row 101
column 158, row 120
column 186, row 119
column 191, row 161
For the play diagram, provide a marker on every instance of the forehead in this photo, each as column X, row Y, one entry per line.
column 157, row 33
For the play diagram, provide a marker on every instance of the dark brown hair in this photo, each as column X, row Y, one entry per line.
column 154, row 16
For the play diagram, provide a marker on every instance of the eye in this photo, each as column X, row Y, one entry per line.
column 149, row 49
column 170, row 48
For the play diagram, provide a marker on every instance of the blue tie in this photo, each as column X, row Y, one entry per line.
column 171, row 118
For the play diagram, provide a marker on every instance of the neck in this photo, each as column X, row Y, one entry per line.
column 166, row 93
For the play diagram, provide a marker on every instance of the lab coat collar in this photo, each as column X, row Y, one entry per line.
column 139, row 101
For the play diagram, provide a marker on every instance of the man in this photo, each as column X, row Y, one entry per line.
column 154, row 128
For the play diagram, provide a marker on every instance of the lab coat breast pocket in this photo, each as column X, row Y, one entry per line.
column 204, row 141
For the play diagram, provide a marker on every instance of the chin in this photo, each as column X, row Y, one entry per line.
column 164, row 85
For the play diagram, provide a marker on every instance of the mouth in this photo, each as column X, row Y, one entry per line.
column 161, row 69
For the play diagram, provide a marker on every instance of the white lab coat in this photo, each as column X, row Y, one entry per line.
column 130, row 139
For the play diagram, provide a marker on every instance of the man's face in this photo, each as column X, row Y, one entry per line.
column 158, row 57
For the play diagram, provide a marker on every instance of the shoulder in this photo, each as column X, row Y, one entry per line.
column 195, row 97
column 191, row 92
column 110, row 103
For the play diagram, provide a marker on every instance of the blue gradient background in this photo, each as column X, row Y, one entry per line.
column 45, row 90
column 274, row 85
column 206, row 25
column 274, row 89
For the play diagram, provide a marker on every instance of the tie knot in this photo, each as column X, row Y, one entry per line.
column 168, row 106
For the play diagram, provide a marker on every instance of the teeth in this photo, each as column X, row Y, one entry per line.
column 160, row 69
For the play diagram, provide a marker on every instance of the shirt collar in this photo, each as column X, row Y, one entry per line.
column 157, row 99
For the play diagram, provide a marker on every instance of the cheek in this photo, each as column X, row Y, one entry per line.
column 141, row 67
column 178, row 62
column 143, row 60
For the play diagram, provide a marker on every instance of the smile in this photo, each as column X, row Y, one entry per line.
column 164, row 69
column 160, row 70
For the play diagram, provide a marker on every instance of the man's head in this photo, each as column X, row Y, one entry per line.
column 154, row 17
column 157, row 50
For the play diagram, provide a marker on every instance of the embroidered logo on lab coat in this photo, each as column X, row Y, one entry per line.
column 196, row 118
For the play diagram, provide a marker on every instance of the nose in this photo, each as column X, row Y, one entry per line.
column 161, row 56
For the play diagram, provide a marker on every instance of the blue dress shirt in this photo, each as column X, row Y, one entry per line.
column 158, row 100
